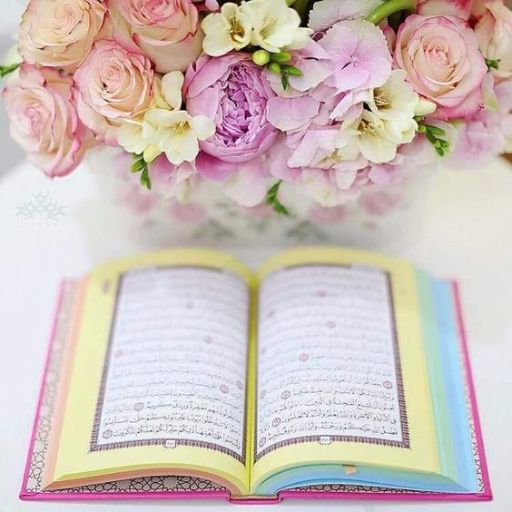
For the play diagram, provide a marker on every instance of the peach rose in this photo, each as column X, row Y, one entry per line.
column 114, row 85
column 167, row 31
column 441, row 58
column 43, row 120
column 494, row 33
column 60, row 33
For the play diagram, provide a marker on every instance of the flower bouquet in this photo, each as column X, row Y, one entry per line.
column 276, row 103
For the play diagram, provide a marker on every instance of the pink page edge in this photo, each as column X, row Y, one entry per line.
column 53, row 330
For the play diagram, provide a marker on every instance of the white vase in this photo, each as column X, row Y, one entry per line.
column 380, row 220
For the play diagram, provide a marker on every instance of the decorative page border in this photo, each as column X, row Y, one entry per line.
column 405, row 443
column 95, row 447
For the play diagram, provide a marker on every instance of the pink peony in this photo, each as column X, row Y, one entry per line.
column 114, row 84
column 232, row 91
column 494, row 33
column 60, row 33
column 167, row 31
column 441, row 58
column 44, row 121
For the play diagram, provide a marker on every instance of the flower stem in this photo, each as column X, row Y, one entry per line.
column 388, row 8
column 302, row 7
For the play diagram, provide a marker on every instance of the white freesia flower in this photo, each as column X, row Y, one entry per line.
column 377, row 139
column 171, row 89
column 176, row 133
column 389, row 122
column 130, row 137
column 275, row 25
column 396, row 99
column 227, row 30
column 165, row 128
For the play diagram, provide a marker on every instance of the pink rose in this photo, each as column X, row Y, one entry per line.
column 44, row 121
column 494, row 33
column 166, row 31
column 460, row 8
column 114, row 84
column 233, row 92
column 441, row 58
column 60, row 33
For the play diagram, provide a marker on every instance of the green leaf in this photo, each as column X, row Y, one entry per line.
column 433, row 135
column 273, row 199
column 292, row 70
column 140, row 165
column 281, row 57
column 493, row 63
column 285, row 81
column 6, row 70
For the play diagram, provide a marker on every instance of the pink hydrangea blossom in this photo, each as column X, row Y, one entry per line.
column 359, row 56
column 328, row 12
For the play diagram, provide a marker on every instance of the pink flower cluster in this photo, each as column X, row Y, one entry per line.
column 240, row 93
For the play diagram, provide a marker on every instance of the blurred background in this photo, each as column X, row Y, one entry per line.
column 10, row 13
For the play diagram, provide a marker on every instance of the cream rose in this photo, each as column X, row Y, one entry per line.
column 114, row 85
column 44, row 122
column 494, row 33
column 60, row 33
column 443, row 64
column 167, row 31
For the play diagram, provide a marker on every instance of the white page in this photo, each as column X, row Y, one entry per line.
column 328, row 364
column 176, row 366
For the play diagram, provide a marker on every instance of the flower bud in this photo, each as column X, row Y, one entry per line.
column 261, row 57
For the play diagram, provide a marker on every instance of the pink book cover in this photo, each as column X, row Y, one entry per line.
column 177, row 487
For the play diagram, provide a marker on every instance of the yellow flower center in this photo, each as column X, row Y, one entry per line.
column 236, row 29
column 181, row 127
column 367, row 128
column 381, row 99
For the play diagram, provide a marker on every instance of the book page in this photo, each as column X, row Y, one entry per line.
column 328, row 361
column 177, row 356
column 158, row 383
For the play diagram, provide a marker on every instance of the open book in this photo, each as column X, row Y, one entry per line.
column 328, row 373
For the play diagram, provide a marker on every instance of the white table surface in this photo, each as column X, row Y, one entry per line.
column 467, row 234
